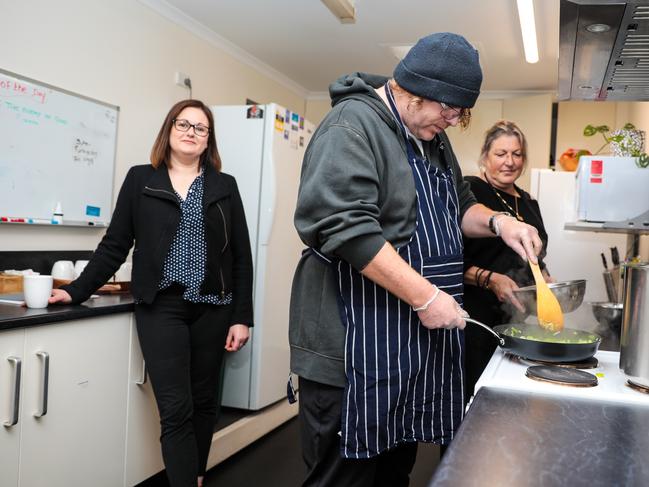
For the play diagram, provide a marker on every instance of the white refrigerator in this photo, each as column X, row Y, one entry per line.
column 572, row 254
column 262, row 147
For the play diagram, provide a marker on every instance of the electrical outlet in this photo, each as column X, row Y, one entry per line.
column 180, row 79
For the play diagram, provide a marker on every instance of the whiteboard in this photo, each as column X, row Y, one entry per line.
column 55, row 147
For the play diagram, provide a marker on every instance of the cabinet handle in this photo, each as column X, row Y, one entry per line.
column 15, row 390
column 142, row 381
column 45, row 379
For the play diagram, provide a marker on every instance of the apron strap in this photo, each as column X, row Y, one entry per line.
column 402, row 128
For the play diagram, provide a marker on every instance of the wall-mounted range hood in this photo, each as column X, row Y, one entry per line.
column 604, row 50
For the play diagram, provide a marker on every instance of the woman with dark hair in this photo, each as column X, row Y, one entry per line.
column 192, row 278
column 492, row 271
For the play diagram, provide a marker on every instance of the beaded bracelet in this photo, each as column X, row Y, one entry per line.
column 478, row 275
column 485, row 284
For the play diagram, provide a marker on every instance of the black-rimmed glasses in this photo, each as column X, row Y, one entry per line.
column 450, row 113
column 183, row 125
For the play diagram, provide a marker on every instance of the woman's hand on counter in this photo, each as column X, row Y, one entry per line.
column 503, row 287
column 237, row 337
column 59, row 296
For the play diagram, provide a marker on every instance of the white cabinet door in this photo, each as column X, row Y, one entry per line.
column 143, row 455
column 11, row 361
column 80, row 436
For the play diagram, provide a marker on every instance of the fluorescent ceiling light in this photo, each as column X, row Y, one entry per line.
column 528, row 30
column 343, row 9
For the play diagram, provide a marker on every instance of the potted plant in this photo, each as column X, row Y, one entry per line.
column 625, row 142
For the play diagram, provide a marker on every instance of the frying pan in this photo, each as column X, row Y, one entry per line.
column 542, row 348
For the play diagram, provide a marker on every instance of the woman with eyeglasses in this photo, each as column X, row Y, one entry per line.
column 492, row 271
column 192, row 279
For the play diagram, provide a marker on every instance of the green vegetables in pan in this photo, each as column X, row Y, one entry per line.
column 566, row 336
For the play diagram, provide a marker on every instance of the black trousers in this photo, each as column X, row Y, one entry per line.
column 183, row 346
column 319, row 417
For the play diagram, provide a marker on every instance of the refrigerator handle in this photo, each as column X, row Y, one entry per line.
column 268, row 204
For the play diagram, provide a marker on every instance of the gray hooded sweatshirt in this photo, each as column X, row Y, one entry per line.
column 356, row 192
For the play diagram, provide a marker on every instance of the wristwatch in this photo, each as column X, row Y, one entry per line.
column 492, row 221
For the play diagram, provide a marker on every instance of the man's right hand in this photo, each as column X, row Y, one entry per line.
column 59, row 296
column 443, row 312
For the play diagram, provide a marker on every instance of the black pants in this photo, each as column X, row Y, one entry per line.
column 183, row 346
column 319, row 417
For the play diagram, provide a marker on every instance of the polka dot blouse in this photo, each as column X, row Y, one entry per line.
column 187, row 257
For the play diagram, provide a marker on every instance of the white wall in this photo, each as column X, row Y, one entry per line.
column 123, row 53
column 575, row 115
column 467, row 143
column 533, row 114
column 316, row 109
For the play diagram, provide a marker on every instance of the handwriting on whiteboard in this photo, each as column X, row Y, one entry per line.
column 83, row 152
column 12, row 87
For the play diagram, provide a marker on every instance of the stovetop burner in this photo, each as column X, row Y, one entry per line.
column 561, row 375
column 589, row 363
column 637, row 387
column 507, row 372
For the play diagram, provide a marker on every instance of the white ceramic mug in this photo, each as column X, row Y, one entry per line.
column 63, row 269
column 37, row 290
column 79, row 266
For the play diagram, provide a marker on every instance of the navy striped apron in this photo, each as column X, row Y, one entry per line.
column 404, row 381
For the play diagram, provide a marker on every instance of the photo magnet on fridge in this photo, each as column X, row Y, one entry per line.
column 255, row 112
column 279, row 122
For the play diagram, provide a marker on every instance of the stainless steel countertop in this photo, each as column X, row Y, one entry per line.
column 522, row 439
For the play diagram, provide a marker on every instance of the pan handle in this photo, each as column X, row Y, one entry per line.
column 500, row 339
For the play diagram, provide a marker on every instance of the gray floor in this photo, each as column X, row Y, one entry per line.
column 275, row 460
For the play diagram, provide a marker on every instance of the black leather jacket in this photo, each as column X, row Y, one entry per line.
column 148, row 212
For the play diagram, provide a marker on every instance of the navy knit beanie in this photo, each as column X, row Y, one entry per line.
column 442, row 67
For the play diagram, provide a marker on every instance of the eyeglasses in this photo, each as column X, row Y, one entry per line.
column 183, row 125
column 450, row 113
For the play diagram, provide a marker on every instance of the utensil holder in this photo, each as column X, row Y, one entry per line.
column 634, row 351
column 611, row 288
column 618, row 280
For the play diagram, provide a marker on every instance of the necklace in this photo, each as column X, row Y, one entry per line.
column 512, row 211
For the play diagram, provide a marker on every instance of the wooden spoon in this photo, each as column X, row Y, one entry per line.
column 548, row 309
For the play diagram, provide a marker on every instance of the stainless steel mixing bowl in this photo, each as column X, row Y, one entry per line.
column 609, row 315
column 570, row 295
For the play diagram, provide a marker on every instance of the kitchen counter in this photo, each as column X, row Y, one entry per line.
column 14, row 316
column 522, row 439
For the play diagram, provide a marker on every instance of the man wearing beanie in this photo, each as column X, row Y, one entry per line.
column 376, row 308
